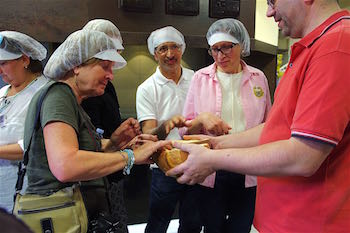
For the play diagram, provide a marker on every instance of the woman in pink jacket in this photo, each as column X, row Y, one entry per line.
column 227, row 97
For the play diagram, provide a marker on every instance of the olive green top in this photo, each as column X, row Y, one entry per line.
column 59, row 104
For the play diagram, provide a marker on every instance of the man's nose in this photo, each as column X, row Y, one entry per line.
column 270, row 12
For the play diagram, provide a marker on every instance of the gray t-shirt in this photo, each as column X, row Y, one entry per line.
column 60, row 104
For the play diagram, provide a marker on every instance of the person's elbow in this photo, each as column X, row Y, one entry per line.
column 310, row 156
column 308, row 170
column 309, row 166
column 63, row 172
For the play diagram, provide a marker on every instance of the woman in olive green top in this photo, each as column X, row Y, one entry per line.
column 66, row 149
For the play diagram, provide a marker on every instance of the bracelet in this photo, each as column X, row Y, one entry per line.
column 130, row 161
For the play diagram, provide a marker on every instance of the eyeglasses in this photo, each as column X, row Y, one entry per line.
column 164, row 49
column 224, row 50
column 271, row 3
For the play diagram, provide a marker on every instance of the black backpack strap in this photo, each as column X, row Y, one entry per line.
column 36, row 125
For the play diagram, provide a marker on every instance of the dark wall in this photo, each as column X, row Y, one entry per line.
column 52, row 21
column 49, row 21
column 136, row 26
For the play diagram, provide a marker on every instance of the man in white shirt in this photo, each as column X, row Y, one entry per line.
column 159, row 104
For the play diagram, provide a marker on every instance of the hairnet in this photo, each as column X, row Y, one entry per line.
column 229, row 30
column 113, row 32
column 14, row 44
column 79, row 47
column 107, row 27
column 165, row 34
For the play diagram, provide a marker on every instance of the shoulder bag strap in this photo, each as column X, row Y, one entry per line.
column 36, row 124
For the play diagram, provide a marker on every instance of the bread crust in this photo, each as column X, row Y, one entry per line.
column 170, row 158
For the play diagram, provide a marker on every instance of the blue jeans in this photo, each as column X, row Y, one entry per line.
column 165, row 194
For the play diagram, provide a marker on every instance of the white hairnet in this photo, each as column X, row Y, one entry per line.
column 229, row 30
column 79, row 47
column 110, row 30
column 14, row 44
column 163, row 35
column 106, row 26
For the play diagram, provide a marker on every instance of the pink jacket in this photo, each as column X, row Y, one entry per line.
column 204, row 95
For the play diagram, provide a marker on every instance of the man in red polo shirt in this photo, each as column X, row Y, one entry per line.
column 302, row 153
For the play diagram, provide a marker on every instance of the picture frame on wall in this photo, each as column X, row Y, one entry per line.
column 182, row 7
column 142, row 6
column 224, row 8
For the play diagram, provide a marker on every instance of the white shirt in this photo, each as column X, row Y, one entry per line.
column 13, row 111
column 159, row 98
column 231, row 108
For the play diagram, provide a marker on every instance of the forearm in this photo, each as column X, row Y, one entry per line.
column 159, row 131
column 152, row 127
column 87, row 165
column 11, row 152
column 293, row 157
column 108, row 146
column 247, row 138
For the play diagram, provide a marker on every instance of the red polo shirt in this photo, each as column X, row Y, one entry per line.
column 312, row 101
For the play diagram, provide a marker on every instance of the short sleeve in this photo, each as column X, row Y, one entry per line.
column 323, row 106
column 60, row 105
column 145, row 104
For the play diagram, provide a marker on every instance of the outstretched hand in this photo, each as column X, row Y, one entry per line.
column 143, row 154
column 176, row 121
column 139, row 140
column 129, row 129
column 212, row 124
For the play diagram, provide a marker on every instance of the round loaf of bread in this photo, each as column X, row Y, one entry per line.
column 170, row 158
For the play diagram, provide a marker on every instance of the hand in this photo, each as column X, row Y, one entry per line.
column 164, row 129
column 176, row 121
column 129, row 129
column 144, row 152
column 212, row 124
column 213, row 141
column 197, row 166
column 139, row 140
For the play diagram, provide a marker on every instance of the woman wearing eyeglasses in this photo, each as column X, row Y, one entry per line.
column 227, row 97
column 21, row 69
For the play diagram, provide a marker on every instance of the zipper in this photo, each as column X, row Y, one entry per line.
column 65, row 205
